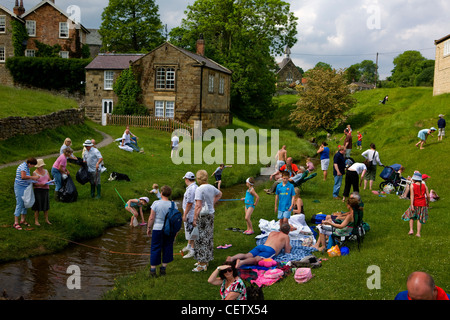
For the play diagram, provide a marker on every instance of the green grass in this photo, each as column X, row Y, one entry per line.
column 31, row 102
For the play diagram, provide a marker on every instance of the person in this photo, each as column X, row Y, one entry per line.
column 281, row 157
column 284, row 199
column 41, row 191
column 275, row 242
column 67, row 144
column 298, row 203
column 421, row 286
column 133, row 138
column 373, row 156
column 359, row 142
column 309, row 165
column 126, row 141
column 188, row 212
column 342, row 227
column 231, row 285
column 441, row 127
column 338, row 171
column 290, row 167
column 59, row 170
column 385, row 99
column 161, row 248
column 132, row 206
column 93, row 158
column 351, row 178
column 174, row 145
column 423, row 135
column 206, row 196
column 324, row 152
column 21, row 182
column 349, row 130
column 348, row 142
column 418, row 210
column 218, row 174
column 251, row 200
column 155, row 191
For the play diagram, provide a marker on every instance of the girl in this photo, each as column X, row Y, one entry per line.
column 309, row 165
column 298, row 203
column 418, row 210
column 41, row 191
column 251, row 200
column 131, row 206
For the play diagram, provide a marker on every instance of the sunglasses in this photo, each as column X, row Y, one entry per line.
column 227, row 270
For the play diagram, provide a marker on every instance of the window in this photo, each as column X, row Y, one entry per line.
column 2, row 24
column 2, row 54
column 63, row 30
column 31, row 28
column 165, row 78
column 30, row 53
column 211, row 83
column 447, row 48
column 221, row 85
column 289, row 77
column 165, row 109
column 109, row 80
column 64, row 54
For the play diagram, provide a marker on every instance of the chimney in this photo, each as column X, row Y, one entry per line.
column 201, row 46
column 19, row 9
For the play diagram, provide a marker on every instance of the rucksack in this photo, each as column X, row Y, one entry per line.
column 303, row 275
column 318, row 218
column 172, row 221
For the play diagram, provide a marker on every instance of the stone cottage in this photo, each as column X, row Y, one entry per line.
column 175, row 83
column 442, row 66
column 288, row 72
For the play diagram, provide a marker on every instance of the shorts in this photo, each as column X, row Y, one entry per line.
column 249, row 206
column 218, row 177
column 358, row 143
column 280, row 163
column 263, row 251
column 324, row 164
column 441, row 132
column 284, row 214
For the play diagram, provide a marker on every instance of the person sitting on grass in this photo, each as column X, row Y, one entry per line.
column 231, row 285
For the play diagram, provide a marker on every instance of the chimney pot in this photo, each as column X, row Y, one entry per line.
column 201, row 46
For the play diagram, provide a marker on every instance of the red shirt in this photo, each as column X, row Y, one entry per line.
column 419, row 195
column 294, row 169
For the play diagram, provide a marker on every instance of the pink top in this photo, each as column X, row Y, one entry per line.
column 42, row 180
column 61, row 161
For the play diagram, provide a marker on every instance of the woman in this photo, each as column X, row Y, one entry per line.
column 352, row 178
column 67, row 144
column 423, row 135
column 374, row 157
column 418, row 210
column 59, row 168
column 133, row 205
column 343, row 227
column 324, row 152
column 161, row 249
column 298, row 202
column 41, row 191
column 231, row 285
column 21, row 182
column 206, row 196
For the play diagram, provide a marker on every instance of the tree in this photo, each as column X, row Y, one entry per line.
column 128, row 92
column 364, row 71
column 408, row 66
column 324, row 102
column 131, row 26
column 243, row 36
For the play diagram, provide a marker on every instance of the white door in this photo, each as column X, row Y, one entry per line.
column 107, row 108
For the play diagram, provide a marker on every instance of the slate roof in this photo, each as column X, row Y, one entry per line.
column 113, row 61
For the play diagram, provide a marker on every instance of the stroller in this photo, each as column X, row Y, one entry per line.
column 392, row 180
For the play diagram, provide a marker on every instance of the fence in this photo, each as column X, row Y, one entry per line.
column 162, row 124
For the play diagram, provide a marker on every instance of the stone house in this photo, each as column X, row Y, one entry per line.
column 442, row 66
column 175, row 83
column 288, row 72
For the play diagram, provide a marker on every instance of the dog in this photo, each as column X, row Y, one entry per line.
column 118, row 176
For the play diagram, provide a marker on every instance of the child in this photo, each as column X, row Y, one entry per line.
column 309, row 165
column 418, row 210
column 359, row 142
column 251, row 200
column 284, row 198
column 155, row 190
column 218, row 174
column 131, row 206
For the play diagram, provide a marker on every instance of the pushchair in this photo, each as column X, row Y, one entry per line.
column 392, row 180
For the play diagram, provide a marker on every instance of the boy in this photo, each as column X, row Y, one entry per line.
column 359, row 142
column 284, row 198
column 218, row 174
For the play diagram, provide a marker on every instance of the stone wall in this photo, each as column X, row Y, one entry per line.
column 6, row 42
column 12, row 126
column 441, row 71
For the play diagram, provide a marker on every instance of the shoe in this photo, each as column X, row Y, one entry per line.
column 199, row 268
column 185, row 249
column 152, row 273
column 249, row 232
column 162, row 271
column 189, row 255
column 143, row 223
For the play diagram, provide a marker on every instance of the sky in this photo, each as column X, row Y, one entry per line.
column 338, row 32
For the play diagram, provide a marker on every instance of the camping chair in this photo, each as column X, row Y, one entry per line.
column 357, row 233
column 299, row 179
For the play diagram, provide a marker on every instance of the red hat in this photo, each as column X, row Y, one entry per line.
column 424, row 176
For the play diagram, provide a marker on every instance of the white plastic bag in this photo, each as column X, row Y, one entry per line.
column 28, row 196
column 194, row 234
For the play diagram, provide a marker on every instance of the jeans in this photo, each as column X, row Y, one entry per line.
column 58, row 178
column 337, row 185
column 133, row 146
column 18, row 191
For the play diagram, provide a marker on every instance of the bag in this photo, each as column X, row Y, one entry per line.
column 194, row 234
column 172, row 221
column 204, row 210
column 273, row 273
column 28, row 196
column 318, row 218
column 254, row 292
column 68, row 192
column 82, row 175
column 334, row 251
column 302, row 275
column 370, row 163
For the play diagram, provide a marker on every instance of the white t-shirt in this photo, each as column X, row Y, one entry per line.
column 189, row 197
column 206, row 193
column 358, row 167
column 126, row 138
column 161, row 208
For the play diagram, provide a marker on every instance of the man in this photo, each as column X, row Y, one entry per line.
column 281, row 157
column 338, row 171
column 289, row 167
column 421, row 286
column 174, row 145
column 348, row 143
column 126, row 141
column 188, row 212
column 93, row 158
column 276, row 241
column 441, row 127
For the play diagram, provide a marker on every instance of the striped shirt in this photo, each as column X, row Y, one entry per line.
column 19, row 181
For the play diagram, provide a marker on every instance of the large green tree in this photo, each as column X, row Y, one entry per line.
column 411, row 69
column 365, row 72
column 131, row 26
column 244, row 36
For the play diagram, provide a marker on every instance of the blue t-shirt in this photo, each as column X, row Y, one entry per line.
column 325, row 154
column 285, row 194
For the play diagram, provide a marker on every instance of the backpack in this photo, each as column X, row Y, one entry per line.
column 302, row 275
column 254, row 292
column 318, row 218
column 172, row 221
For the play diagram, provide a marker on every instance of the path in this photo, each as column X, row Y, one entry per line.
column 107, row 139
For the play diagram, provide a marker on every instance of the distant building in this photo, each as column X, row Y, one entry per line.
column 288, row 72
column 442, row 66
column 360, row 86
column 94, row 41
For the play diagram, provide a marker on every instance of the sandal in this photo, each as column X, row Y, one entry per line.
column 199, row 268
column 17, row 226
column 26, row 223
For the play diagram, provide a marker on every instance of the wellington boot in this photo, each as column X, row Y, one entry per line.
column 92, row 191
column 99, row 191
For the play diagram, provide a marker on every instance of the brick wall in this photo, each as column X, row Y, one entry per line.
column 441, row 71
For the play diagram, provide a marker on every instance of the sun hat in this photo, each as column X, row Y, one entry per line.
column 441, row 115
column 88, row 143
column 433, row 129
column 40, row 163
column 424, row 176
column 417, row 176
column 189, row 175
column 144, row 198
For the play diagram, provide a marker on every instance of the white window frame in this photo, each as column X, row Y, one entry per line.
column 165, row 78
column 211, row 83
column 2, row 24
column 108, row 80
column 447, row 48
column 65, row 35
column 31, row 26
column 164, row 109
column 30, row 53
column 221, row 85
column 64, row 54
column 2, row 53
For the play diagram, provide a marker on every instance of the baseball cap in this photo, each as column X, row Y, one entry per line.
column 189, row 175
